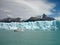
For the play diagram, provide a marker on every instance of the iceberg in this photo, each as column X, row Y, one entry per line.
column 37, row 25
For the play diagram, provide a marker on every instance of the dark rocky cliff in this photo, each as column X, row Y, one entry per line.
column 40, row 18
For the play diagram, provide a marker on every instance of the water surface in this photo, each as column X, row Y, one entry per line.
column 30, row 38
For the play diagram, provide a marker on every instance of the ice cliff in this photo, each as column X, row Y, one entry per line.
column 37, row 25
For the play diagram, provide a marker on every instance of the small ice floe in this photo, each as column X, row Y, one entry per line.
column 18, row 30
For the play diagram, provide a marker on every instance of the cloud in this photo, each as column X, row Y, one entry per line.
column 5, row 10
column 40, row 6
column 26, row 8
column 58, row 17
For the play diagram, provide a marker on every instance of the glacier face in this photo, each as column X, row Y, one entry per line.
column 37, row 25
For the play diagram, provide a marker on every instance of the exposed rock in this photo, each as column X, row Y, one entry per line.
column 10, row 19
column 40, row 18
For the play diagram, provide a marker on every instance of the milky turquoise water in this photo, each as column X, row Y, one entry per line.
column 9, row 37
column 30, row 38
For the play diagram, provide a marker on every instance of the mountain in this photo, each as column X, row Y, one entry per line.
column 40, row 18
column 10, row 19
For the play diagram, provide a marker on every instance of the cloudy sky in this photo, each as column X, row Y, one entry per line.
column 28, row 8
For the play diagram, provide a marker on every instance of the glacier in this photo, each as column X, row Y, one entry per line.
column 37, row 25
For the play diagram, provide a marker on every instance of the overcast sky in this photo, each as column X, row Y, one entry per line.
column 28, row 8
